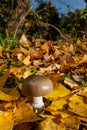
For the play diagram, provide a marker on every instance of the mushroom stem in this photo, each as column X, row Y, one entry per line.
column 38, row 102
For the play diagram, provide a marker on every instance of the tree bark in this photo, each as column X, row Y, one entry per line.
column 17, row 18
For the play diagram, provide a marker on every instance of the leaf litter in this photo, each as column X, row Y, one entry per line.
column 65, row 62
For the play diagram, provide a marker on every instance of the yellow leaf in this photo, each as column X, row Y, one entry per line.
column 24, row 41
column 17, row 71
column 84, row 46
column 57, row 112
column 47, row 116
column 84, row 59
column 71, row 121
column 27, row 73
column 48, row 124
column 26, row 61
column 79, row 108
column 24, row 113
column 19, row 113
column 82, row 118
column 76, row 98
column 9, row 94
column 78, row 41
column 58, row 104
column 59, row 91
column 6, row 121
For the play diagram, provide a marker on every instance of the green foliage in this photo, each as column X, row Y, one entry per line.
column 10, row 83
column 45, row 13
column 84, row 84
column 78, row 18
column 8, row 42
column 16, row 63
column 83, row 14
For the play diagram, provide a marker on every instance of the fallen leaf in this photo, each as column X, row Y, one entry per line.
column 71, row 122
column 9, row 94
column 59, row 91
column 58, row 104
column 17, row 71
column 79, row 108
column 26, row 61
column 6, row 121
column 48, row 124
column 75, row 98
column 24, row 41
column 84, row 59
column 78, row 41
column 3, row 78
column 54, row 112
column 24, row 112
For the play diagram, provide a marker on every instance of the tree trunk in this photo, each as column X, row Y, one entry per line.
column 17, row 18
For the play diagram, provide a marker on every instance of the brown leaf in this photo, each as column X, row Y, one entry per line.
column 48, row 124
column 35, row 54
column 7, row 94
column 46, row 46
column 3, row 78
column 24, row 41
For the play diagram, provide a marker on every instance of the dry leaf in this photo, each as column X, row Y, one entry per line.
column 79, row 108
column 3, row 78
column 24, row 41
column 58, row 104
column 59, row 91
column 84, row 59
column 24, row 112
column 48, row 124
column 17, row 71
column 57, row 112
column 26, row 61
column 71, row 122
column 9, row 94
column 6, row 121
column 76, row 98
column 78, row 41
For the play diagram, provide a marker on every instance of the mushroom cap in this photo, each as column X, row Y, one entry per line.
column 37, row 85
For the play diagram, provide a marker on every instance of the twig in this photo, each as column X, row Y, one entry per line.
column 48, row 24
column 21, row 22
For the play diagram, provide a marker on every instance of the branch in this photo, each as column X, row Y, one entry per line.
column 21, row 22
column 57, row 29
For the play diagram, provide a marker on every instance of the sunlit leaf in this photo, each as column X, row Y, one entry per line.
column 24, row 113
column 71, row 122
column 26, row 61
column 24, row 41
column 9, row 94
column 6, row 121
column 58, row 104
column 78, row 108
column 59, row 91
column 48, row 124
column 76, row 98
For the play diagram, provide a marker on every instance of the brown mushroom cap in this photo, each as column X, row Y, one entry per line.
column 37, row 85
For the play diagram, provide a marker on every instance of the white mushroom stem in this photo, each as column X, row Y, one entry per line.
column 38, row 102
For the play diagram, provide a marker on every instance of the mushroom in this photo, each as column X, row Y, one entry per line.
column 37, row 86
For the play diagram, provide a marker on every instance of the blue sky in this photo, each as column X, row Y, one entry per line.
column 61, row 5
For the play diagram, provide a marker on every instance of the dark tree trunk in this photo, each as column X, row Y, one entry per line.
column 17, row 18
